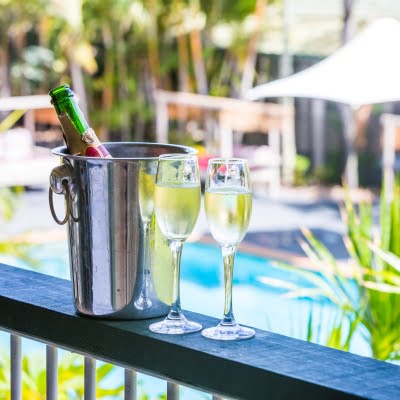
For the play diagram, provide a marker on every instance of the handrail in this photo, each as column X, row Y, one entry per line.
column 223, row 103
column 268, row 366
column 25, row 102
column 232, row 115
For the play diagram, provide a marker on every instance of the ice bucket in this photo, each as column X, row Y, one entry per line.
column 121, row 267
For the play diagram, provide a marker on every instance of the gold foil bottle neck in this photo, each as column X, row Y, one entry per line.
column 71, row 135
column 88, row 136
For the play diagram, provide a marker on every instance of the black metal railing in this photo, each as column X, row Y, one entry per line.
column 269, row 366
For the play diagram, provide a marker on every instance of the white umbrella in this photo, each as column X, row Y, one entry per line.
column 364, row 71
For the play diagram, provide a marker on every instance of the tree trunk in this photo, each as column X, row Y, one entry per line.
column 351, row 167
column 19, row 42
column 288, row 138
column 251, row 57
column 145, row 82
column 153, row 55
column 183, row 77
column 347, row 112
column 5, row 88
column 318, row 115
column 198, row 61
column 5, row 84
column 78, row 83
column 123, row 99
column 107, row 96
column 184, row 81
column 347, row 20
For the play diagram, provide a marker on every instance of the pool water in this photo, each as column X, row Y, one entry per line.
column 202, row 291
column 254, row 303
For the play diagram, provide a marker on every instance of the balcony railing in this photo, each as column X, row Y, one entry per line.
column 269, row 366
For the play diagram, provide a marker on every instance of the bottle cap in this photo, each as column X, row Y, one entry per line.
column 60, row 92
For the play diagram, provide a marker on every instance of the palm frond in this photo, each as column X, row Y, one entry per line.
column 388, row 257
column 382, row 287
column 335, row 274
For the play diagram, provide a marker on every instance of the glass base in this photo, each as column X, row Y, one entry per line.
column 228, row 332
column 143, row 303
column 178, row 326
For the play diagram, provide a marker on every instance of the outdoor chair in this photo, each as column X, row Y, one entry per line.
column 231, row 119
column 22, row 161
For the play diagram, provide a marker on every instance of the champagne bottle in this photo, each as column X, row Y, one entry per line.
column 79, row 137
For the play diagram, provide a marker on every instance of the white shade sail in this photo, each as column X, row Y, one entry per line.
column 364, row 71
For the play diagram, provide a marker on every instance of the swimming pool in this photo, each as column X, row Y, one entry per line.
column 255, row 303
column 202, row 291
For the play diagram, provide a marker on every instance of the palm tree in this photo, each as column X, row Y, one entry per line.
column 17, row 17
column 68, row 26
column 121, row 34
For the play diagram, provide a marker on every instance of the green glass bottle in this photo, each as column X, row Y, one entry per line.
column 79, row 137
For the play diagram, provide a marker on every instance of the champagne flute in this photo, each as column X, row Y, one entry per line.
column 228, row 203
column 146, row 207
column 177, row 206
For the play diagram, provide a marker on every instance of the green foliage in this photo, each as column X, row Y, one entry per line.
column 8, row 202
column 36, row 65
column 123, row 52
column 301, row 169
column 378, row 276
column 70, row 379
column 339, row 334
column 331, row 172
column 374, row 269
column 229, row 10
column 8, row 205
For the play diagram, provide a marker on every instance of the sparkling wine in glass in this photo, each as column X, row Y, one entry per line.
column 177, row 205
column 228, row 204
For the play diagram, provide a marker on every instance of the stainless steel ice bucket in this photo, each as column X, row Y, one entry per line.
column 121, row 267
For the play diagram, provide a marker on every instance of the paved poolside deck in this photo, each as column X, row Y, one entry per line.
column 274, row 229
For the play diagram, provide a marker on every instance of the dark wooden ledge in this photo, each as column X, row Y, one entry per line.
column 269, row 366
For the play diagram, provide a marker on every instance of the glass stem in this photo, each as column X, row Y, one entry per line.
column 143, row 302
column 147, row 262
column 228, row 256
column 176, row 249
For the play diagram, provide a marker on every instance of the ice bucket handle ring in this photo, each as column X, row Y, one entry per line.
column 60, row 180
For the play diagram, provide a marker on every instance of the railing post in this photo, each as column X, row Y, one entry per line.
column 16, row 367
column 130, row 385
column 172, row 391
column 90, row 379
column 51, row 373
column 27, row 312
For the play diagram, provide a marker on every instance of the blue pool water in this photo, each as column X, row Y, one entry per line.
column 255, row 303
column 202, row 291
